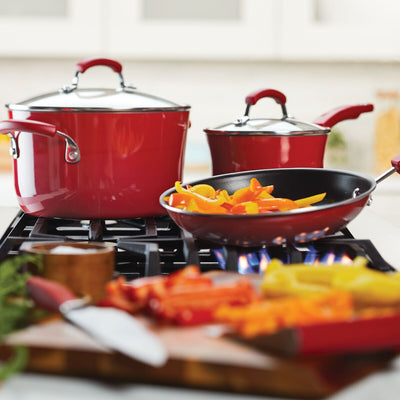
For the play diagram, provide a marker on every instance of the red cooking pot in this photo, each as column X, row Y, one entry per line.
column 95, row 153
column 249, row 144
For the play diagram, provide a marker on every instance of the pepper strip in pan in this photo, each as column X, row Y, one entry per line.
column 254, row 199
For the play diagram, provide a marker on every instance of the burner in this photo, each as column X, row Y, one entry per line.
column 156, row 245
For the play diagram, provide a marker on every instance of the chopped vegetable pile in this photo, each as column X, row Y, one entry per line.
column 186, row 297
column 254, row 199
column 289, row 296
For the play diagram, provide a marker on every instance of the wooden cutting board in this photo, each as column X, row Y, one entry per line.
column 195, row 360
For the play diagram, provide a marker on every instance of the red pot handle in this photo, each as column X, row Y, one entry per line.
column 278, row 96
column 82, row 66
column 8, row 126
column 41, row 128
column 332, row 117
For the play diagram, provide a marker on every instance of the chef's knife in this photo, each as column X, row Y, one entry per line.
column 114, row 328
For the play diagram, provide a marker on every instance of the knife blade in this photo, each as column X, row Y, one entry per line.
column 116, row 329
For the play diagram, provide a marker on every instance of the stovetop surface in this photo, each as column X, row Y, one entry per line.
column 156, row 245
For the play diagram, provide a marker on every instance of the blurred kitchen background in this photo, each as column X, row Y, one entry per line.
column 210, row 54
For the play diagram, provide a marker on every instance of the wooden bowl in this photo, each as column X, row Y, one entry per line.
column 83, row 267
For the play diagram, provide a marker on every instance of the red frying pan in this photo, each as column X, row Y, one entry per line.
column 346, row 195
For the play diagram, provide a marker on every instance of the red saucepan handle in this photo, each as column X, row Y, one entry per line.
column 253, row 97
column 41, row 128
column 331, row 118
column 278, row 96
column 48, row 294
column 82, row 66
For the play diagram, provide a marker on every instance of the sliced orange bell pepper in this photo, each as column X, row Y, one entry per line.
column 269, row 316
column 276, row 203
column 195, row 202
column 253, row 199
column 246, row 207
column 249, row 193
column 179, row 200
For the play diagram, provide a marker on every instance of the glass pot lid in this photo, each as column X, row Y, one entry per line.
column 268, row 127
column 70, row 98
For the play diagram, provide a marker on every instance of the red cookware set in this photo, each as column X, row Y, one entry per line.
column 109, row 153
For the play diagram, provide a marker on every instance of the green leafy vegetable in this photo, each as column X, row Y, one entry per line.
column 15, row 306
column 15, row 364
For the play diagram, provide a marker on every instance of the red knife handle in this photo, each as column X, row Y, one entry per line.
column 48, row 294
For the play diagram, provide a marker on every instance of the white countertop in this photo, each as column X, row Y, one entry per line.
column 380, row 223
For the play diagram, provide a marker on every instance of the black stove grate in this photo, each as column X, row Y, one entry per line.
column 156, row 245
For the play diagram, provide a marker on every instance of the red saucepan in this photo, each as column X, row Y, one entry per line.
column 346, row 195
column 262, row 143
column 95, row 153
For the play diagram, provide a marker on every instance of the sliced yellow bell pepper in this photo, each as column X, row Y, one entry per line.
column 307, row 201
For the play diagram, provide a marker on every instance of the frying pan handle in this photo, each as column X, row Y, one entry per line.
column 395, row 168
column 278, row 96
column 396, row 163
column 83, row 66
column 332, row 117
column 9, row 126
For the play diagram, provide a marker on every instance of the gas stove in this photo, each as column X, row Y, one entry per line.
column 156, row 245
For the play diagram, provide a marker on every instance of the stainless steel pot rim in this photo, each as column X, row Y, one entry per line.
column 268, row 127
column 21, row 107
column 97, row 100
column 266, row 133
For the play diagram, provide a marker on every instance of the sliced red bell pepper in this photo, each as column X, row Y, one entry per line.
column 182, row 301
